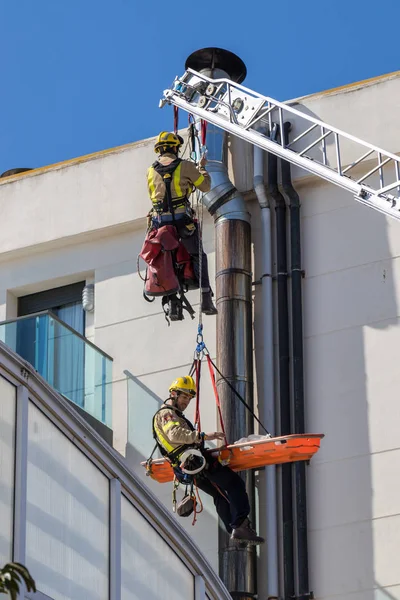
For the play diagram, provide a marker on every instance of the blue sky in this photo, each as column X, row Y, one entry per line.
column 78, row 76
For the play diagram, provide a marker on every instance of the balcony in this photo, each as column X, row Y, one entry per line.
column 70, row 363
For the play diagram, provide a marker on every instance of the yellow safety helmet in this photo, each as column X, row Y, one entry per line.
column 183, row 384
column 167, row 140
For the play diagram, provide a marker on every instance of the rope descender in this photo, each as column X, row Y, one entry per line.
column 201, row 349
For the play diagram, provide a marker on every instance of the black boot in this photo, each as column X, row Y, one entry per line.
column 207, row 305
column 245, row 533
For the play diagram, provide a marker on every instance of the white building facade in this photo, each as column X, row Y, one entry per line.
column 83, row 222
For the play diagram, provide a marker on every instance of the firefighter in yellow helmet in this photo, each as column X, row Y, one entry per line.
column 170, row 182
column 176, row 437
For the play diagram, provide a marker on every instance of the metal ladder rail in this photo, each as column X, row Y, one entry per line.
column 224, row 103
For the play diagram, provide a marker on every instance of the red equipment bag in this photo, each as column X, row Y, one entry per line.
column 157, row 248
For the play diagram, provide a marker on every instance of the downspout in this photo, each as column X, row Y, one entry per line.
column 283, row 368
column 267, row 491
column 303, row 591
column 234, row 303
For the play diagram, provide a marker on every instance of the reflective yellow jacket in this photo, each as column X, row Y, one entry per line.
column 186, row 176
column 173, row 430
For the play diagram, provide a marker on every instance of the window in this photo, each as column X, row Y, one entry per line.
column 69, row 361
column 65, row 302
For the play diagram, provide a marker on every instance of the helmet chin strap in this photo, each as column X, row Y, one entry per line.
column 174, row 399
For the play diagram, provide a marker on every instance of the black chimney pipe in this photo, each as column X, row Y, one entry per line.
column 283, row 367
column 296, row 275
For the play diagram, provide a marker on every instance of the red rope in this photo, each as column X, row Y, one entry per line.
column 176, row 119
column 197, row 410
column 212, row 375
column 203, row 132
column 196, row 496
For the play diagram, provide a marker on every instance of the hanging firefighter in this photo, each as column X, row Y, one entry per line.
column 170, row 181
column 178, row 440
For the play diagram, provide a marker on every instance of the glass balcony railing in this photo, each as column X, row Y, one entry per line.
column 71, row 364
column 142, row 405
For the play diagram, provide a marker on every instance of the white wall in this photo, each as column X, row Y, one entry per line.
column 351, row 298
column 77, row 198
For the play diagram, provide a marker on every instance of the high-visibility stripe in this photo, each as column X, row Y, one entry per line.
column 169, row 425
column 198, row 181
column 177, row 181
column 162, row 439
column 151, row 184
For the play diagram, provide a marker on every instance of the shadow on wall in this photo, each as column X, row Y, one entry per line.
column 143, row 403
column 348, row 300
column 149, row 568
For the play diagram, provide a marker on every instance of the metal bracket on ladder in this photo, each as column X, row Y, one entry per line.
column 316, row 147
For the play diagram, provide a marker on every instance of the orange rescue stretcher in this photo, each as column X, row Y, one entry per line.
column 249, row 454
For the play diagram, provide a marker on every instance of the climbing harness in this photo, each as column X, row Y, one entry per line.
column 174, row 301
column 170, row 173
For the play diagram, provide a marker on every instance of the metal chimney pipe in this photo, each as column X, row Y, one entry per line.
column 233, row 298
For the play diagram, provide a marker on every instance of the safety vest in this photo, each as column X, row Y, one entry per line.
column 163, row 444
column 170, row 173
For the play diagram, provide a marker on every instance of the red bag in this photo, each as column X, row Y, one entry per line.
column 156, row 251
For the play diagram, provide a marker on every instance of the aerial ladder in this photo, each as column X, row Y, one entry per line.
column 321, row 149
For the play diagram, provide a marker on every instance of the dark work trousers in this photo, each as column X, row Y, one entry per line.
column 191, row 244
column 233, row 509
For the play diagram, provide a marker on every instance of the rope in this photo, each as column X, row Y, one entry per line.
column 200, row 217
column 237, row 394
column 200, row 209
column 212, row 375
column 138, row 269
column 192, row 368
column 201, row 349
column 197, row 421
column 196, row 512
column 203, row 132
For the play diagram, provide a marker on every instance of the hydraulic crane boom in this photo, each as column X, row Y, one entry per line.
column 373, row 178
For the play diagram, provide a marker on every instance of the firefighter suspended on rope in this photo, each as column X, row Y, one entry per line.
column 173, row 225
column 252, row 452
column 183, row 445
